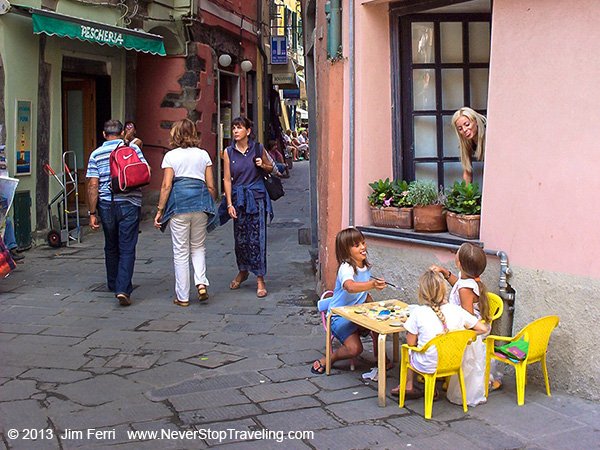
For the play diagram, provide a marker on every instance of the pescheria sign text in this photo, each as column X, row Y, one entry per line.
column 100, row 35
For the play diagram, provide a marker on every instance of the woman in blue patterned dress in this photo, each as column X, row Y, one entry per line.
column 245, row 163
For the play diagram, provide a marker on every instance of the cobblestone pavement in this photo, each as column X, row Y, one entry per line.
column 79, row 371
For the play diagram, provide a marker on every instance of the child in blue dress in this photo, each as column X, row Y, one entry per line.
column 351, row 288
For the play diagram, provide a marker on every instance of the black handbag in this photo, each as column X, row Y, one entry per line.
column 273, row 184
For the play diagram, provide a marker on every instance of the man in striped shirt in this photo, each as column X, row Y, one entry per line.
column 119, row 214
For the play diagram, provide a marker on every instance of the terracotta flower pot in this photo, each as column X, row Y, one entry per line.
column 392, row 217
column 430, row 218
column 463, row 225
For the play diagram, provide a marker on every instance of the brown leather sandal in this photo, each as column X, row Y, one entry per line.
column 202, row 293
column 237, row 282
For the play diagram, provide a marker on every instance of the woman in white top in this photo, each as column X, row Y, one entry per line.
column 186, row 202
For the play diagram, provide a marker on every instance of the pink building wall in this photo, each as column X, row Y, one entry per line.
column 373, row 115
column 541, row 185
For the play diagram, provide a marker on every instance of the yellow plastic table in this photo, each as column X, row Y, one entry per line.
column 365, row 315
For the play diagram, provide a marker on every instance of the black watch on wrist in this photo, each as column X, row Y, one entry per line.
column 91, row 213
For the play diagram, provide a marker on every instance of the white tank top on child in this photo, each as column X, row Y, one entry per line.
column 468, row 283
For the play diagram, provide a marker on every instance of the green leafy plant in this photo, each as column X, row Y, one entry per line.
column 382, row 191
column 464, row 198
column 389, row 193
column 400, row 194
column 423, row 193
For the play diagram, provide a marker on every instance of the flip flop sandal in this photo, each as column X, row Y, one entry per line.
column 318, row 370
column 261, row 293
column 235, row 284
column 202, row 293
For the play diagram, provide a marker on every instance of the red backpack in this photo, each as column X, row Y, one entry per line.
column 127, row 170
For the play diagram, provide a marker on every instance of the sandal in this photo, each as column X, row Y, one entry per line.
column 237, row 282
column 495, row 385
column 180, row 303
column 261, row 291
column 317, row 368
column 202, row 293
column 413, row 394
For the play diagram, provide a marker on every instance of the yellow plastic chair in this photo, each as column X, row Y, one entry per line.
column 496, row 305
column 537, row 333
column 450, row 348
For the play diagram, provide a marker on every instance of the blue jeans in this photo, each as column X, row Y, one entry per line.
column 120, row 222
column 9, row 235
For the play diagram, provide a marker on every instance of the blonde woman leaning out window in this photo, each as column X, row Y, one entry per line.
column 469, row 126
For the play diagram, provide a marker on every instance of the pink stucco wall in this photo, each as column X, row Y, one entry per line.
column 541, row 184
column 373, row 134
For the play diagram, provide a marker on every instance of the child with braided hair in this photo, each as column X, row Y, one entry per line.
column 431, row 318
column 470, row 293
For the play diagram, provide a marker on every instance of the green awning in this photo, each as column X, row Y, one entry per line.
column 55, row 24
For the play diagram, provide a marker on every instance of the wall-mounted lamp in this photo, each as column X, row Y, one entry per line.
column 246, row 65
column 224, row 60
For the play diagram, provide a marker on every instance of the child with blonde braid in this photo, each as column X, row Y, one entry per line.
column 433, row 317
column 469, row 292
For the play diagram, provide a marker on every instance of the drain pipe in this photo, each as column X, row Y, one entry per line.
column 507, row 293
column 351, row 106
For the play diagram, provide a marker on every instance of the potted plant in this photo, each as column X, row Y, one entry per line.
column 428, row 209
column 389, row 204
column 464, row 208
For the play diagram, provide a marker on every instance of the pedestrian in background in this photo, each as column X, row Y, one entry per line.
column 131, row 135
column 245, row 163
column 119, row 214
column 186, row 203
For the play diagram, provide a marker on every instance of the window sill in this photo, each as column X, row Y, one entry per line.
column 443, row 240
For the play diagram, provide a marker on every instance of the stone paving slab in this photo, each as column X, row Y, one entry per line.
column 290, row 404
column 139, row 361
column 100, row 389
column 484, row 435
column 302, row 419
column 18, row 390
column 581, row 438
column 365, row 409
column 288, row 373
column 347, row 395
column 445, row 439
column 55, row 375
column 358, row 436
column 275, row 391
column 207, row 399
column 203, row 416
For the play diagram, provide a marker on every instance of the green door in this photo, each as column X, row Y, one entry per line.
column 22, row 217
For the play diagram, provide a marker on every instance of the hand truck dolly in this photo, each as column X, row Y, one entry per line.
column 69, row 228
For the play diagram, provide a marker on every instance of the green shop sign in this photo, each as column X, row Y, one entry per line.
column 54, row 24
